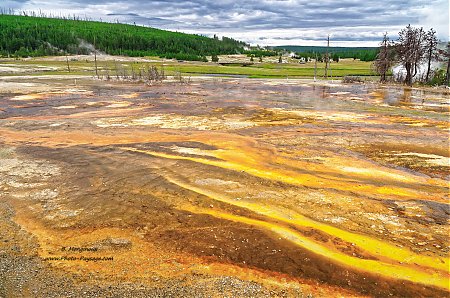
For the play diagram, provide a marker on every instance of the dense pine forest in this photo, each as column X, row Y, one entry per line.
column 362, row 53
column 23, row 36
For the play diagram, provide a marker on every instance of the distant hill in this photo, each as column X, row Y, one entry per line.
column 362, row 53
column 23, row 36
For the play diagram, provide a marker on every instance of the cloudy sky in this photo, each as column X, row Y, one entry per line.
column 263, row 22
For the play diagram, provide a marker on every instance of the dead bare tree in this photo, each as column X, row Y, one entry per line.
column 116, row 67
column 445, row 54
column 431, row 50
column 162, row 73
column 448, row 64
column 410, row 51
column 385, row 58
column 133, row 74
column 67, row 61
column 107, row 74
column 327, row 58
column 95, row 59
column 315, row 68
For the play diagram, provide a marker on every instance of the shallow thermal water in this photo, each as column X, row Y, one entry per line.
column 230, row 187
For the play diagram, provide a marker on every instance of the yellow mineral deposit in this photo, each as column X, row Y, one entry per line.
column 118, row 104
column 45, row 95
column 414, row 273
column 130, row 95
column 28, row 97
column 267, row 167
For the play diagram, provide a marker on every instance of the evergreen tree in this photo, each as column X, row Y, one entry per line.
column 336, row 57
column 33, row 36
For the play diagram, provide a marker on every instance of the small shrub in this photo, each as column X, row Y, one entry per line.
column 352, row 79
column 438, row 79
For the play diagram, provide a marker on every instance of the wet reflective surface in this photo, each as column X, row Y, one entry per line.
column 232, row 187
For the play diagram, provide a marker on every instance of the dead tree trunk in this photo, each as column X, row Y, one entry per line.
column 431, row 49
column 326, row 57
column 418, row 51
column 315, row 68
column 430, row 55
column 68, row 66
column 95, row 59
column 408, row 78
column 448, row 64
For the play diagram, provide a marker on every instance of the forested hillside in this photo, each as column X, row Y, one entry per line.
column 23, row 36
column 362, row 53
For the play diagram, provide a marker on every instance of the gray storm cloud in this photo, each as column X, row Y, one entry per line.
column 350, row 22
